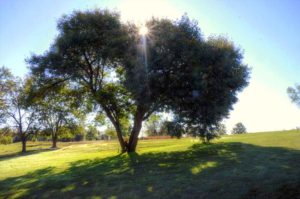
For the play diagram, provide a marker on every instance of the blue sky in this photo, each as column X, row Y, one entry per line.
column 268, row 32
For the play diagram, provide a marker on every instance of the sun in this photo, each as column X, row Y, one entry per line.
column 143, row 30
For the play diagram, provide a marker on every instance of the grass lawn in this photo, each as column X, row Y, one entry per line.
column 262, row 165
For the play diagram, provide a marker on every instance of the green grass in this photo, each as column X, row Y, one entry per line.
column 262, row 165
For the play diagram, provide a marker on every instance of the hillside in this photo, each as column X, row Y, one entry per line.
column 260, row 165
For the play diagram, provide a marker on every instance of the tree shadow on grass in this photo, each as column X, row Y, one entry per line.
column 223, row 170
column 20, row 154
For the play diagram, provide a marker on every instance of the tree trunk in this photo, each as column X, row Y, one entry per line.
column 54, row 140
column 117, row 128
column 23, row 144
column 137, row 126
column 138, row 120
column 120, row 138
column 114, row 121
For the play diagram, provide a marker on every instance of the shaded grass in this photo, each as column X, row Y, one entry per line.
column 233, row 167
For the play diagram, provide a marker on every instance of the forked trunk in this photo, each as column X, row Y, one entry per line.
column 138, row 119
column 117, row 126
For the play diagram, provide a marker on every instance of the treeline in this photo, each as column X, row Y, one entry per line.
column 66, row 134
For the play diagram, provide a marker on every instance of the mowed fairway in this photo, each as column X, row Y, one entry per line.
column 262, row 165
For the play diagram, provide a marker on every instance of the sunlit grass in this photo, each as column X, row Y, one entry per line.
column 200, row 167
column 252, row 165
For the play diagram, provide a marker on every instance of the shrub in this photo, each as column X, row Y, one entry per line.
column 92, row 133
column 6, row 139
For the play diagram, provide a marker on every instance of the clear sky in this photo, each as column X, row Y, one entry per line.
column 267, row 30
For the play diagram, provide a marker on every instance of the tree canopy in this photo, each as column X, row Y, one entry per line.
column 6, row 85
column 130, row 76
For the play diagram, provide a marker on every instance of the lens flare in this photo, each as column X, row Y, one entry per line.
column 143, row 30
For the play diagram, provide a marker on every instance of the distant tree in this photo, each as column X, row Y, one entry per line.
column 64, row 134
column 111, row 132
column 17, row 112
column 294, row 94
column 175, row 129
column 211, row 132
column 177, row 71
column 6, row 131
column 77, row 130
column 221, row 130
column 92, row 133
column 153, row 125
column 163, row 129
column 6, row 135
column 239, row 129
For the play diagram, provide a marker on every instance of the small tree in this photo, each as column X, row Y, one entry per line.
column 294, row 94
column 78, row 131
column 163, row 129
column 92, row 133
column 17, row 112
column 6, row 135
column 239, row 129
column 56, row 109
column 110, row 132
column 153, row 125
column 175, row 129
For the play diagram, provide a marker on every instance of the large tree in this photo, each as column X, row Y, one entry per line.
column 130, row 76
